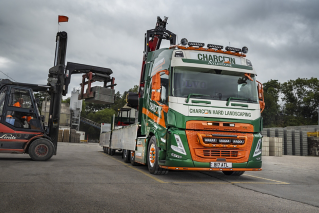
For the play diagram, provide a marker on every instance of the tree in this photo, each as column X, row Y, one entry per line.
column 66, row 101
column 271, row 114
column 301, row 100
column 102, row 113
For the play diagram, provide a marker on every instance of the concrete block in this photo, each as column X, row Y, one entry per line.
column 102, row 95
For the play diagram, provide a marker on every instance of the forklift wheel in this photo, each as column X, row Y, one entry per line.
column 41, row 149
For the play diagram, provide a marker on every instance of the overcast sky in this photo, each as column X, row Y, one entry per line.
column 282, row 36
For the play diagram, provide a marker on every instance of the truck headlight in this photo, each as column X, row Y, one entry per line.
column 180, row 147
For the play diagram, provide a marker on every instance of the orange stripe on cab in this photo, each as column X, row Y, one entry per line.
column 155, row 118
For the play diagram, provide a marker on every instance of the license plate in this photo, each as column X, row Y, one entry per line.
column 221, row 165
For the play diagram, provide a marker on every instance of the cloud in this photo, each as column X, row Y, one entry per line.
column 282, row 36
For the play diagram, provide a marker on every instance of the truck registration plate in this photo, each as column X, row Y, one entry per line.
column 221, row 165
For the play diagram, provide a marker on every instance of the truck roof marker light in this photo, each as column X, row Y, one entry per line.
column 184, row 41
column 234, row 49
column 244, row 50
column 179, row 54
column 218, row 47
column 207, row 49
column 196, row 44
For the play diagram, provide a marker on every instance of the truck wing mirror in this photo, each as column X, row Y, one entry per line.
column 261, row 96
column 156, row 85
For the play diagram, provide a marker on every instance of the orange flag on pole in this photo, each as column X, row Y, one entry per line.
column 63, row 19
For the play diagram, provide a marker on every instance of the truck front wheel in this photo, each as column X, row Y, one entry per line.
column 234, row 173
column 41, row 149
column 152, row 159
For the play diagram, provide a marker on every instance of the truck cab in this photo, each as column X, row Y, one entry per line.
column 203, row 107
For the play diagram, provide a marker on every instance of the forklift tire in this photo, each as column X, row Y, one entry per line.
column 233, row 173
column 152, row 158
column 126, row 155
column 41, row 149
column 132, row 158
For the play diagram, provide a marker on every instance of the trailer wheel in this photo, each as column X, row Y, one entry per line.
column 152, row 159
column 126, row 155
column 233, row 173
column 41, row 149
column 132, row 158
column 109, row 151
column 112, row 151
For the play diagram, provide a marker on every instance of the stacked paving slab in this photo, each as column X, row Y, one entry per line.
column 275, row 146
column 294, row 139
column 272, row 146
column 265, row 146
column 303, row 143
column 288, row 141
column 296, row 142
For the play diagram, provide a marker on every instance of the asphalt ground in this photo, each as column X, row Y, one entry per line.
column 81, row 178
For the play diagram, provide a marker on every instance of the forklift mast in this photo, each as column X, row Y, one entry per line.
column 59, row 79
column 56, row 83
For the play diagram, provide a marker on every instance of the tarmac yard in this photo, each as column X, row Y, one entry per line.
column 81, row 178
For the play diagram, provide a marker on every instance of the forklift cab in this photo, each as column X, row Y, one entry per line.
column 18, row 109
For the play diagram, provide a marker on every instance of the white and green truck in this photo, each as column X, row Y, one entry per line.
column 199, row 109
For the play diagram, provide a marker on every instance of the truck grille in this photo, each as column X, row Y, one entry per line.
column 216, row 153
column 200, row 153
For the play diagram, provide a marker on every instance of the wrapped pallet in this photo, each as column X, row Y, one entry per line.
column 60, row 136
column 66, row 135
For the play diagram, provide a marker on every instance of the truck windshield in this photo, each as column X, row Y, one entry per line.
column 217, row 84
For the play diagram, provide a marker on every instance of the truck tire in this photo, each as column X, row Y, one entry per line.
column 132, row 158
column 233, row 173
column 41, row 149
column 109, row 151
column 152, row 159
column 126, row 155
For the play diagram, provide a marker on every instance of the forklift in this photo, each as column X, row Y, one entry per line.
column 22, row 128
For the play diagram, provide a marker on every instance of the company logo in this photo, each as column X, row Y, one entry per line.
column 194, row 84
column 200, row 111
column 220, row 112
column 155, row 108
column 7, row 136
column 216, row 59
